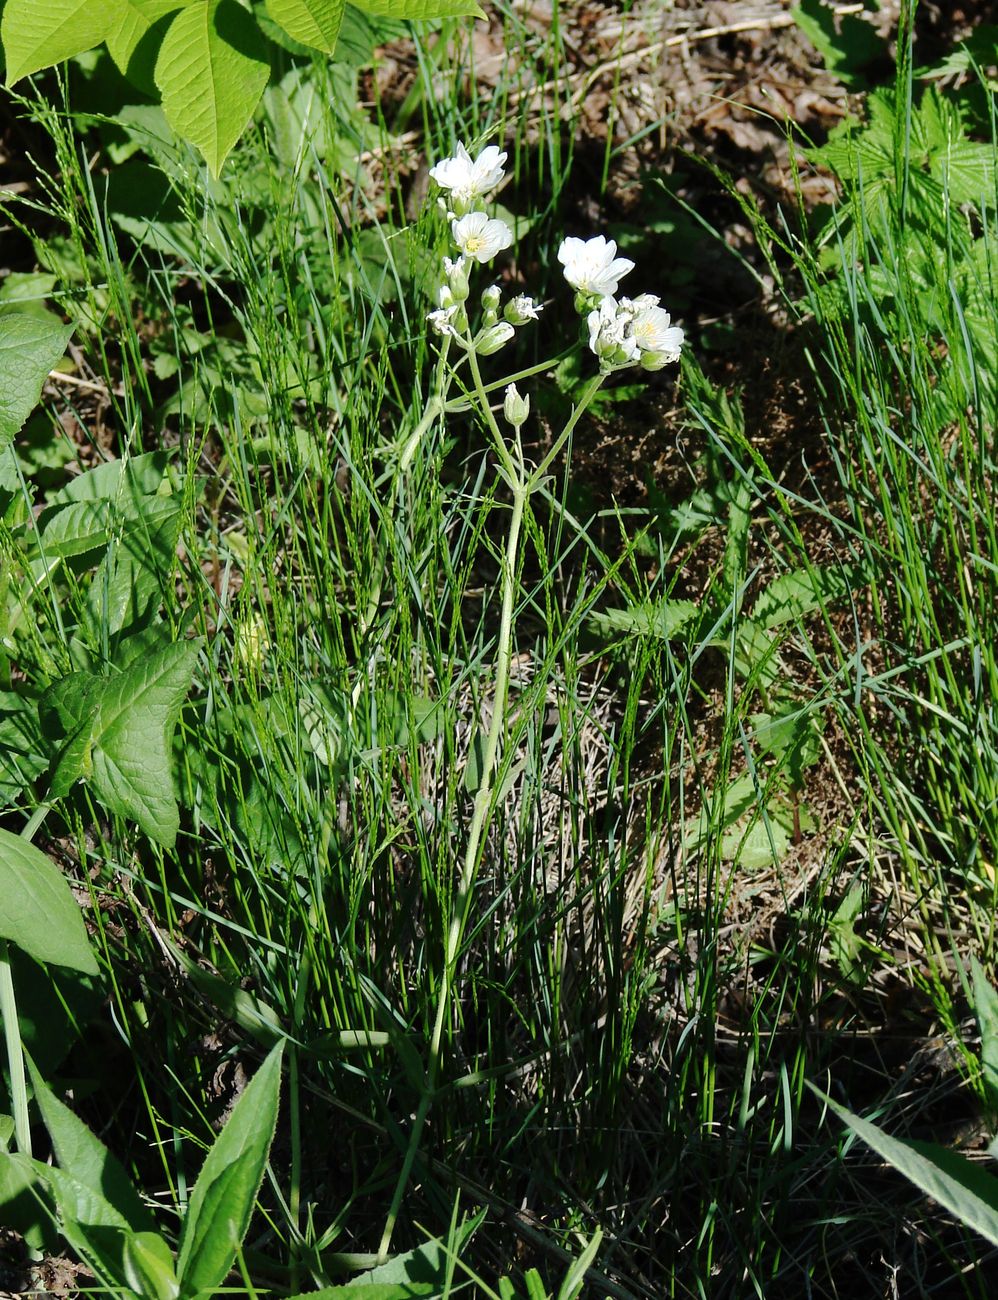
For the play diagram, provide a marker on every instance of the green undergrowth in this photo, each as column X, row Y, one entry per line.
column 752, row 697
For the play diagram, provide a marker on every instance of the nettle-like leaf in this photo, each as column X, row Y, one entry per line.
column 38, row 33
column 38, row 912
column 119, row 733
column 29, row 348
column 313, row 22
column 212, row 68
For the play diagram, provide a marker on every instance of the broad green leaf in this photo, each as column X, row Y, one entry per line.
column 419, row 9
column 427, row 1265
column 148, row 1264
column 38, row 33
column 121, row 480
column 87, row 1161
column 986, row 1011
column 38, row 912
column 801, row 592
column 221, row 1204
column 212, row 69
column 736, row 545
column 965, row 1189
column 313, row 22
column 252, row 1014
column 29, row 348
column 130, row 753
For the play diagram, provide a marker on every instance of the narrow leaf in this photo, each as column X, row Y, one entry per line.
column 986, row 1011
column 86, row 1159
column 39, row 33
column 38, row 912
column 964, row 1189
column 29, row 348
column 211, row 71
column 313, row 22
column 221, row 1204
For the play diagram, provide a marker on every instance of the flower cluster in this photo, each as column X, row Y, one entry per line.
column 622, row 333
column 478, row 238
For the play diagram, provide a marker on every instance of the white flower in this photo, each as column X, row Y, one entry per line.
column 442, row 320
column 481, row 237
column 521, row 309
column 653, row 332
column 467, row 180
column 608, row 333
column 592, row 265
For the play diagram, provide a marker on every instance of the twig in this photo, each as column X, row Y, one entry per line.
column 59, row 377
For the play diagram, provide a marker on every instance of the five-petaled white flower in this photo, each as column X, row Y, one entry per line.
column 469, row 180
column 481, row 237
column 656, row 336
column 592, row 265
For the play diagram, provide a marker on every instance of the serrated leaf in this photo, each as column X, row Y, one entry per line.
column 965, row 1189
column 39, row 33
column 130, row 748
column 419, row 9
column 86, row 1160
column 664, row 619
column 212, row 68
column 29, row 349
column 221, row 1204
column 38, row 912
column 801, row 592
column 313, row 22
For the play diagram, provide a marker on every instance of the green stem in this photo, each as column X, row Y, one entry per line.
column 11, row 1026
column 473, row 852
column 15, row 1053
column 590, row 391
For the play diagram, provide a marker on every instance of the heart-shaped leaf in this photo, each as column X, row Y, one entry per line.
column 212, row 68
column 38, row 912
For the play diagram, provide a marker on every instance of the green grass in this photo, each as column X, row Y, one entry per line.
column 623, row 1049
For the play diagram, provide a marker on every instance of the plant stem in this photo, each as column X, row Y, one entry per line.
column 11, row 1026
column 15, row 1053
column 472, row 857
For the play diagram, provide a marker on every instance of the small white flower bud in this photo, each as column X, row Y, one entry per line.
column 491, row 298
column 514, row 407
column 492, row 339
column 457, row 277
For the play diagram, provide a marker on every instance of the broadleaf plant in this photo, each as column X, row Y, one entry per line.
column 212, row 62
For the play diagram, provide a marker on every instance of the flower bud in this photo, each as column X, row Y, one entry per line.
column 655, row 360
column 492, row 339
column 491, row 298
column 514, row 407
column 457, row 277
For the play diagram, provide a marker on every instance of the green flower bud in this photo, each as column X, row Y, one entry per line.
column 515, row 408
